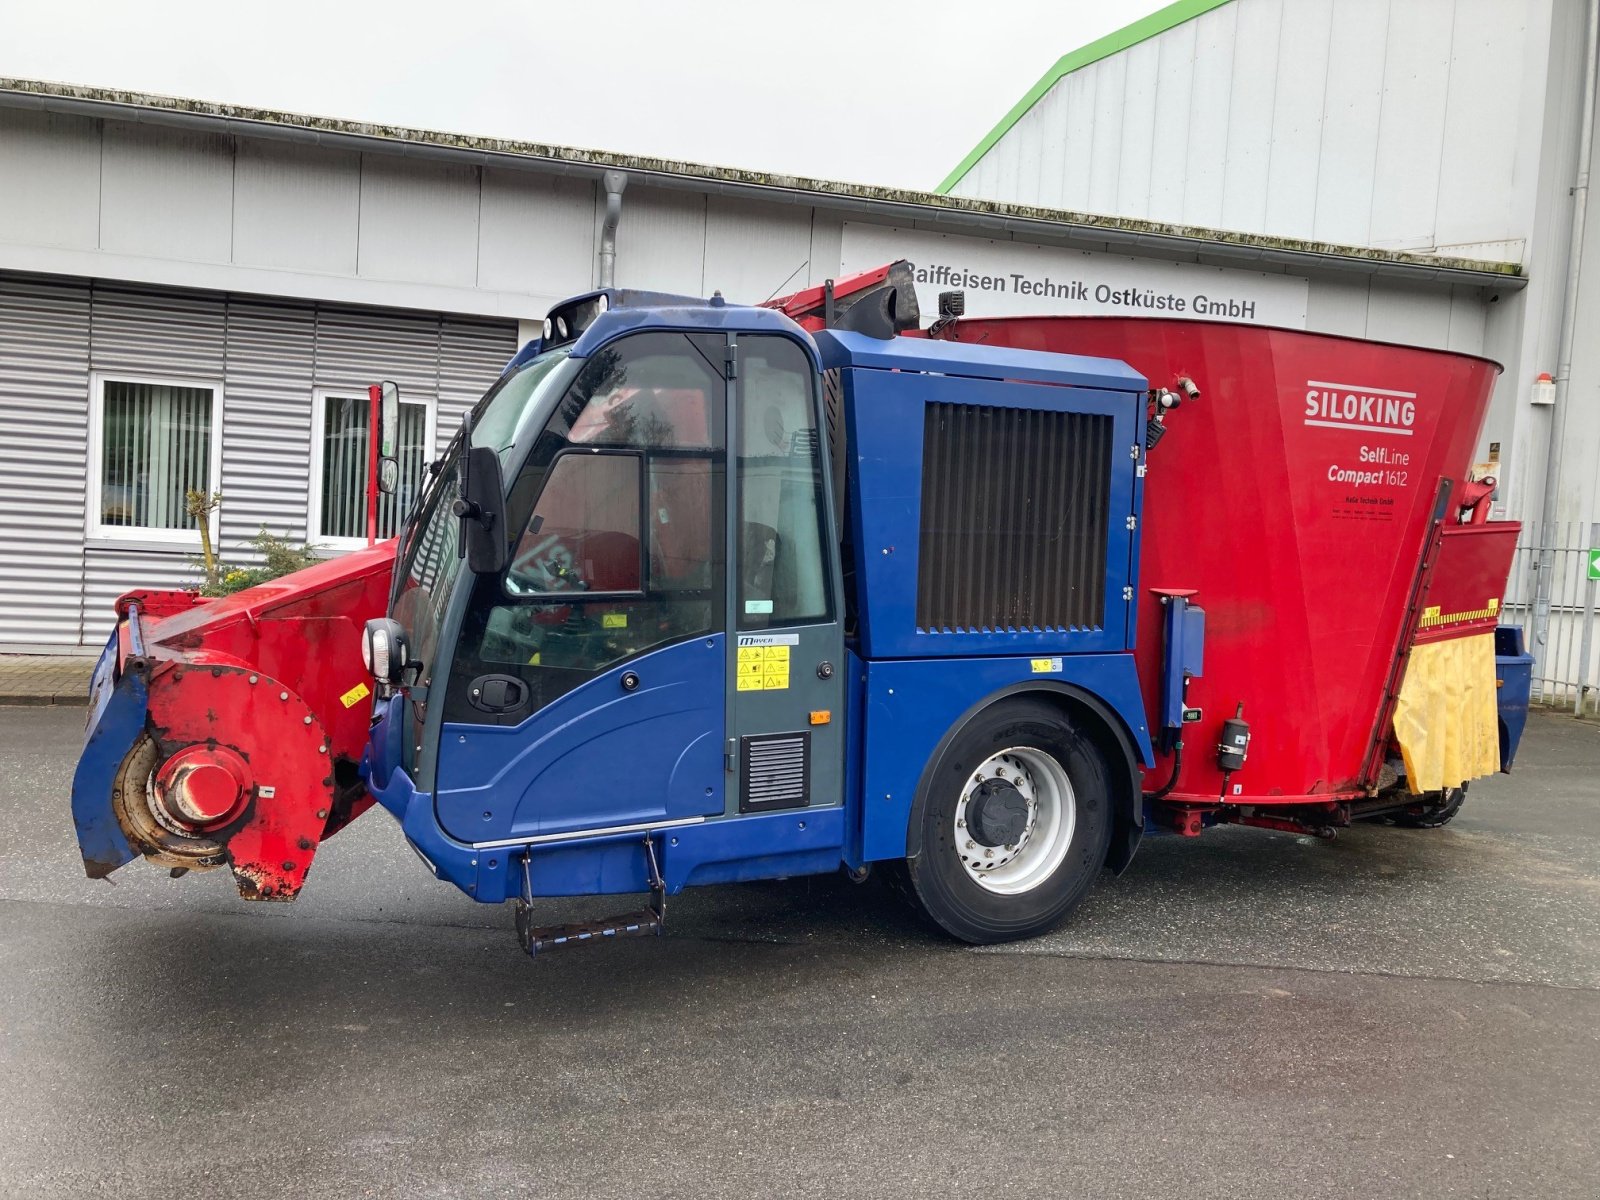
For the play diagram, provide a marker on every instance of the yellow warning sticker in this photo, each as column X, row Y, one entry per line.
column 1045, row 666
column 763, row 668
column 614, row 621
column 355, row 695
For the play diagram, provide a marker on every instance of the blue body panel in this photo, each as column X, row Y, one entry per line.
column 598, row 756
column 118, row 708
column 885, row 415
column 1183, row 657
column 910, row 706
column 1513, row 669
column 968, row 360
column 735, row 849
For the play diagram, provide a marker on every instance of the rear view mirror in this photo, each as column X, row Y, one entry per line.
column 481, row 508
column 388, row 436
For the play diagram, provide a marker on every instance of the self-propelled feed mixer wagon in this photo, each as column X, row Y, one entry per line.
column 705, row 593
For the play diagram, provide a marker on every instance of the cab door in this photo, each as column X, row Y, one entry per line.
column 587, row 689
column 786, row 682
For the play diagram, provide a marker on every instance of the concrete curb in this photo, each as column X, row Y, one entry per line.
column 36, row 700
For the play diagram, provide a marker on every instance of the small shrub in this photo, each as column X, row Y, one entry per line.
column 280, row 557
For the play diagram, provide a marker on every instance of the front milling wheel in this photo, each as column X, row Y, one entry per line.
column 1014, row 827
column 1434, row 809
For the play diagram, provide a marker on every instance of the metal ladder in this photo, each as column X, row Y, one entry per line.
column 650, row 922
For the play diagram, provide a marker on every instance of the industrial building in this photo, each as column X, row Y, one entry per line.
column 195, row 295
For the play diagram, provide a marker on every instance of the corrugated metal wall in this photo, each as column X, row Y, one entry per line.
column 268, row 357
column 1398, row 124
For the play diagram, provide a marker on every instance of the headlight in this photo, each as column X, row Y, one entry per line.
column 384, row 650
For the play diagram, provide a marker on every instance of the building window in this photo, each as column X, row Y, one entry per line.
column 151, row 443
column 339, row 459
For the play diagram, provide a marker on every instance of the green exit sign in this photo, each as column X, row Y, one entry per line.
column 1594, row 563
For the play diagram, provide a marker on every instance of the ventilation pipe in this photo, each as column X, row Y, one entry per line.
column 614, row 182
column 1569, row 323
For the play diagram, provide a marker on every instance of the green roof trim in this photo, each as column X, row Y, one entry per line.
column 1141, row 30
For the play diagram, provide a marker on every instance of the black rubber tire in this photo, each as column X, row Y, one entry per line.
column 939, row 883
column 1433, row 815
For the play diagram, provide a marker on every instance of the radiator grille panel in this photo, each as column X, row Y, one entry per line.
column 1015, row 514
column 774, row 771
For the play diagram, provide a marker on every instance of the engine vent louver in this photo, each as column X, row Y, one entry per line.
column 1015, row 515
column 774, row 771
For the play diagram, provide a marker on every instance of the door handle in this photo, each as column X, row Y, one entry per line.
column 497, row 693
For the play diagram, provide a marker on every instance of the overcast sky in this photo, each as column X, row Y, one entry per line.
column 862, row 91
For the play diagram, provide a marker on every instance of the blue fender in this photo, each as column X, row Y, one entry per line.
column 118, row 709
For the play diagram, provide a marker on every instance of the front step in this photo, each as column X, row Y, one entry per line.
column 650, row 922
column 536, row 939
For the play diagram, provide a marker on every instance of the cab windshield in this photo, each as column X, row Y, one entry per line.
column 429, row 560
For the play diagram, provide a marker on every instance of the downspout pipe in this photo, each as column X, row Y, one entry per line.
column 1569, row 326
column 615, row 182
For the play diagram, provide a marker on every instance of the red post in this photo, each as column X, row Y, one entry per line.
column 374, row 419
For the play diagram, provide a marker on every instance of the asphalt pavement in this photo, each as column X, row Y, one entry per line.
column 1395, row 1013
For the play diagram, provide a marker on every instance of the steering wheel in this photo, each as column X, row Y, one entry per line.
column 546, row 565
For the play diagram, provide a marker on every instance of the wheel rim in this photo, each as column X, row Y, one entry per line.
column 1052, row 815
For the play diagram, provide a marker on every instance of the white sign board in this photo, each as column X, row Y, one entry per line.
column 1013, row 279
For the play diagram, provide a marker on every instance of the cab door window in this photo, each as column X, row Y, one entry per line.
column 782, row 565
column 617, row 544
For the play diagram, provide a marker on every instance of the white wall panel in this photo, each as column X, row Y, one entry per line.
column 109, row 571
column 1352, row 109
column 50, row 185
column 1297, row 114
column 166, row 193
column 1136, row 162
column 1052, row 156
column 266, row 434
column 1338, row 304
column 1477, row 172
column 419, row 221
column 1400, row 124
column 296, row 207
column 1078, row 143
column 1409, row 313
column 536, row 234
column 1105, row 152
column 165, row 334
column 1251, row 110
column 44, row 413
column 1416, row 83
column 755, row 251
column 1169, row 159
column 1210, row 111
column 661, row 242
column 1468, row 320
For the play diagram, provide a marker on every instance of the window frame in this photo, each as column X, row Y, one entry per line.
column 736, row 495
column 319, row 414
column 150, row 535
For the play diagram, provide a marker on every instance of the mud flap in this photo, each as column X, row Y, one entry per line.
column 119, row 706
column 1445, row 718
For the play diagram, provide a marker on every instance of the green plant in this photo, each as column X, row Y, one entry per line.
column 279, row 557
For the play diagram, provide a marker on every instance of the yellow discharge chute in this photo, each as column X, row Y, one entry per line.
column 1445, row 718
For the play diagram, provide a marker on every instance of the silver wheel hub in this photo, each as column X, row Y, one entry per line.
column 1036, row 844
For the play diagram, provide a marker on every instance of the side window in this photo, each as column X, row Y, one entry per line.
column 617, row 546
column 782, row 565
column 339, row 455
column 153, row 443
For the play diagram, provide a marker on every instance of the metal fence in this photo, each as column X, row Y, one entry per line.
column 1565, row 672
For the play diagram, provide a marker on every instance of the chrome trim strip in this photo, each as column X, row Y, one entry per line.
column 544, row 838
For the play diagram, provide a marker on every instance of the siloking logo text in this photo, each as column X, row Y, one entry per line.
column 1367, row 409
